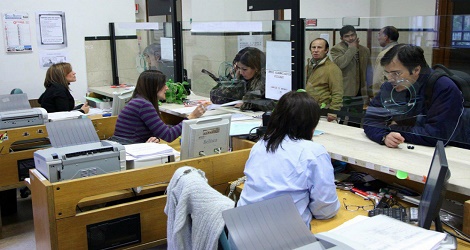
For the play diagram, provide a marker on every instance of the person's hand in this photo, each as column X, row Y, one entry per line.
column 238, row 105
column 198, row 112
column 393, row 139
column 85, row 108
column 331, row 117
column 153, row 140
column 354, row 43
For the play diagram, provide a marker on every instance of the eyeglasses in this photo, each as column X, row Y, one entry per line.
column 393, row 74
column 356, row 207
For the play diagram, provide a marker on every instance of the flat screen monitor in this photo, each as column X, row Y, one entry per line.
column 434, row 190
column 281, row 30
column 205, row 136
column 120, row 100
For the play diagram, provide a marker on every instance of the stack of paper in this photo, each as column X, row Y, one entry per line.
column 147, row 150
column 383, row 232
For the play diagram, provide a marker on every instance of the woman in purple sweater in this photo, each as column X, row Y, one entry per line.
column 140, row 118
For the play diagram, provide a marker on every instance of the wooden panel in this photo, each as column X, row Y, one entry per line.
column 153, row 222
column 43, row 212
column 466, row 218
column 9, row 169
column 219, row 170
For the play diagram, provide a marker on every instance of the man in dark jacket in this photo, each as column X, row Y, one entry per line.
column 398, row 113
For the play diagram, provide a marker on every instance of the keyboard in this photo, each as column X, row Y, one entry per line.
column 399, row 213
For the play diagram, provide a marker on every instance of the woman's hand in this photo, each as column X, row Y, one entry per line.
column 85, row 108
column 153, row 140
column 198, row 112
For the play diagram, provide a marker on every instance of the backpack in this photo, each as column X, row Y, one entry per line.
column 460, row 78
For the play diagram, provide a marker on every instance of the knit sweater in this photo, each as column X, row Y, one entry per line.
column 194, row 211
column 139, row 120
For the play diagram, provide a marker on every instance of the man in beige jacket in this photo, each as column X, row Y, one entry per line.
column 353, row 60
column 387, row 37
column 324, row 78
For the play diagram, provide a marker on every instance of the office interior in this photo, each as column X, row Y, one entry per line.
column 441, row 28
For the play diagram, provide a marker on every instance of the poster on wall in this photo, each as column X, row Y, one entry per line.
column 50, row 29
column 48, row 58
column 17, row 32
column 250, row 41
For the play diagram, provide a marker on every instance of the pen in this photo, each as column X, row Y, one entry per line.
column 356, row 190
column 365, row 197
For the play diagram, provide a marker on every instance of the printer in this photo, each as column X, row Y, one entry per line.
column 15, row 111
column 77, row 152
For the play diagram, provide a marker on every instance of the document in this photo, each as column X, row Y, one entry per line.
column 145, row 150
column 383, row 232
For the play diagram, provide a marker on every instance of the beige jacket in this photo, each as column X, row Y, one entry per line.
column 325, row 84
column 379, row 77
column 343, row 56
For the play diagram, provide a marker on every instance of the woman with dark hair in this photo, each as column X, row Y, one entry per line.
column 140, row 118
column 251, row 68
column 287, row 161
column 57, row 96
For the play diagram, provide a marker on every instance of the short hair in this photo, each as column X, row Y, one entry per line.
column 296, row 115
column 253, row 58
column 391, row 32
column 57, row 73
column 150, row 82
column 327, row 45
column 346, row 29
column 410, row 56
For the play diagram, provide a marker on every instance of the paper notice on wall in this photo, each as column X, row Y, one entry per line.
column 47, row 58
column 278, row 69
column 250, row 41
column 17, row 32
column 51, row 31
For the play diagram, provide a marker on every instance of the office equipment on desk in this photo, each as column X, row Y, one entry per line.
column 148, row 154
column 120, row 99
column 95, row 102
column 77, row 152
column 205, row 136
column 15, row 111
column 272, row 224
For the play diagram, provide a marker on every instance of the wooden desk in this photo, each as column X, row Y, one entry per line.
column 58, row 224
column 344, row 215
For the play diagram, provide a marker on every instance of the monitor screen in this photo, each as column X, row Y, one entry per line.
column 205, row 136
column 281, row 30
column 120, row 100
column 434, row 189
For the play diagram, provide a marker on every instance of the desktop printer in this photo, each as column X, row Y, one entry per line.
column 15, row 111
column 77, row 152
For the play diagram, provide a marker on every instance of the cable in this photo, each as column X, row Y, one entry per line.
column 459, row 234
column 233, row 185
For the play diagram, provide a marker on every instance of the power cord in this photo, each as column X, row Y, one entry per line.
column 458, row 234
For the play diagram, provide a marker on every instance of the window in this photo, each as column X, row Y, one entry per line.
column 461, row 31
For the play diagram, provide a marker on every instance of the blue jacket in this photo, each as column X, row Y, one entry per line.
column 415, row 122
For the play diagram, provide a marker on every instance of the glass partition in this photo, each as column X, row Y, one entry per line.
column 396, row 97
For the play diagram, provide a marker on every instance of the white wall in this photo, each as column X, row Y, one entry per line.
column 83, row 18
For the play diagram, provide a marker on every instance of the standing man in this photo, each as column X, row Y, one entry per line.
column 324, row 78
column 353, row 60
column 387, row 37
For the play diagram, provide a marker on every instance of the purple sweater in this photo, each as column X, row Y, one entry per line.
column 139, row 121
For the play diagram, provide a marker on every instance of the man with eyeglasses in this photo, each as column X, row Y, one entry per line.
column 387, row 37
column 353, row 60
column 399, row 112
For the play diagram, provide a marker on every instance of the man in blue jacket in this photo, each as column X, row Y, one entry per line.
column 398, row 114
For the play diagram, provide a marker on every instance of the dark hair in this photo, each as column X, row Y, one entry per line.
column 150, row 82
column 410, row 56
column 296, row 115
column 253, row 58
column 346, row 29
column 57, row 73
column 391, row 32
column 239, row 54
column 327, row 45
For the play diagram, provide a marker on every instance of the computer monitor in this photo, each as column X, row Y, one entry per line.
column 205, row 136
column 120, row 100
column 434, row 190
